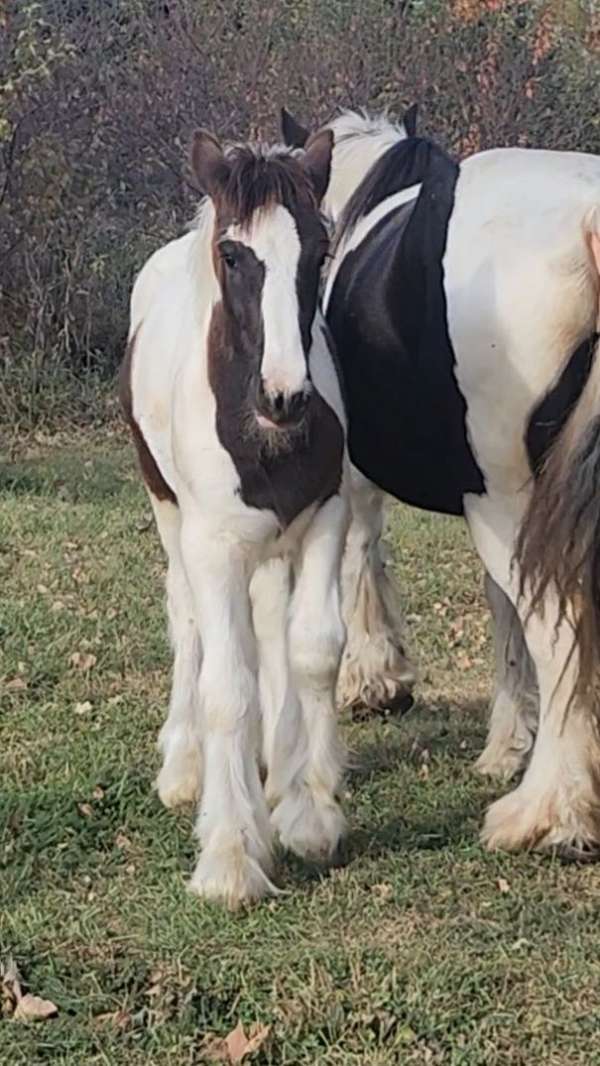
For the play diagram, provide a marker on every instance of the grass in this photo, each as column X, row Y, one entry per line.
column 422, row 948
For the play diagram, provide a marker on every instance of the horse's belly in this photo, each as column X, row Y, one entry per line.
column 409, row 444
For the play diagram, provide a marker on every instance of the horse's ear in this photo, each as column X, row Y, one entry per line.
column 409, row 120
column 317, row 160
column 208, row 162
column 294, row 135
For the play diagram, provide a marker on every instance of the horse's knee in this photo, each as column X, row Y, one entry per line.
column 315, row 652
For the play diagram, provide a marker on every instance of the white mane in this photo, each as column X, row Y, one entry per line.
column 359, row 141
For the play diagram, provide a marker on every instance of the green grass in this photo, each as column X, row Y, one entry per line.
column 408, row 953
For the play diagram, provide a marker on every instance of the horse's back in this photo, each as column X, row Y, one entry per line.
column 454, row 322
column 162, row 335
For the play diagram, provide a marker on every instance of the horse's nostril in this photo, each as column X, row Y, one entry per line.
column 297, row 404
column 279, row 402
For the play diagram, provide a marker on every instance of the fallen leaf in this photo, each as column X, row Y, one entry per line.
column 121, row 841
column 98, row 792
column 34, row 1008
column 82, row 708
column 83, row 660
column 423, row 773
column 503, row 885
column 85, row 809
column 237, row 1045
column 120, row 1019
column 215, row 1051
column 16, row 685
column 11, row 987
column 382, row 890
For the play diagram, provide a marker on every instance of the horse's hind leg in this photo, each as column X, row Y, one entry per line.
column 514, row 709
column 375, row 672
column 557, row 803
column 179, row 739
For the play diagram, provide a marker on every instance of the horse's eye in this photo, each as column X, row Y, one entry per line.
column 229, row 259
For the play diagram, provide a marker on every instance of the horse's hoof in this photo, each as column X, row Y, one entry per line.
column 568, row 853
column 395, row 707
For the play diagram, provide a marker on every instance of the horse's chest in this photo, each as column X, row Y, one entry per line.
column 288, row 479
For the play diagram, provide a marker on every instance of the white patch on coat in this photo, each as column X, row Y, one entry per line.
column 363, row 228
column 275, row 242
column 359, row 140
column 520, row 292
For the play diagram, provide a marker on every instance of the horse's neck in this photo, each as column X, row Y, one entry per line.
column 352, row 159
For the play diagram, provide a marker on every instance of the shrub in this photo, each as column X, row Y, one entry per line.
column 97, row 102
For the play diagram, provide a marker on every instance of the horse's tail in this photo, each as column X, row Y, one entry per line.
column 558, row 547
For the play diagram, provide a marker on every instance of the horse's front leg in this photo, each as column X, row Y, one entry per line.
column 233, row 823
column 308, row 817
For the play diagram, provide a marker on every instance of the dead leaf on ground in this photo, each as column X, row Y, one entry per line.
column 34, row 1008
column 82, row 708
column 503, row 885
column 11, row 986
column 83, row 660
column 237, row 1045
column 383, row 890
column 23, row 1007
column 18, row 684
column 120, row 1019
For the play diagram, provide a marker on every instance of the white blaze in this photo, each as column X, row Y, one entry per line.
column 275, row 242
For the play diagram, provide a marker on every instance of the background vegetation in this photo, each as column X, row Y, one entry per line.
column 98, row 98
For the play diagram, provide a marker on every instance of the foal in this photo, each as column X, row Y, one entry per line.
column 234, row 404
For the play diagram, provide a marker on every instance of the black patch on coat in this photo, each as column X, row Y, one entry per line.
column 388, row 316
column 549, row 416
column 287, row 481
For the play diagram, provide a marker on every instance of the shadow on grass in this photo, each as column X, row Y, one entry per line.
column 456, row 736
column 442, row 728
column 74, row 478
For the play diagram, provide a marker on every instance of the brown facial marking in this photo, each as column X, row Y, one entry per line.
column 150, row 472
column 285, row 471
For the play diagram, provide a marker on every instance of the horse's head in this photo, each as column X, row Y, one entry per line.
column 359, row 139
column 268, row 246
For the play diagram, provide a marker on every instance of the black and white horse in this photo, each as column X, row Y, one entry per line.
column 234, row 404
column 463, row 301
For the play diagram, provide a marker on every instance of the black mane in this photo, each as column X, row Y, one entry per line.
column 406, row 163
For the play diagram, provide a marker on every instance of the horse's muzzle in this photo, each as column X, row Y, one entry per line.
column 281, row 410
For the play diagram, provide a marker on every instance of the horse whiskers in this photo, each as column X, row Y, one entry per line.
column 275, row 441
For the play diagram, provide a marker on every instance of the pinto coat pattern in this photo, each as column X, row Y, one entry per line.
column 232, row 396
column 463, row 301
